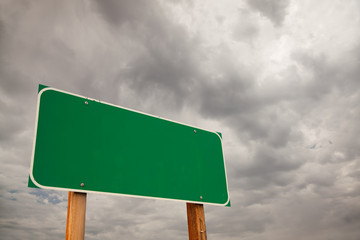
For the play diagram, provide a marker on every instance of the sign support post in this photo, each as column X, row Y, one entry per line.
column 196, row 221
column 75, row 224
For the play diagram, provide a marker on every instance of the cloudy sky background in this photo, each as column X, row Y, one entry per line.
column 279, row 79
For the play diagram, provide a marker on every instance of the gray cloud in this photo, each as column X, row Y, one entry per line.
column 164, row 61
column 120, row 12
column 290, row 125
column 246, row 28
column 276, row 11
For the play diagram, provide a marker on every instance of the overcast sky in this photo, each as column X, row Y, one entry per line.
column 279, row 79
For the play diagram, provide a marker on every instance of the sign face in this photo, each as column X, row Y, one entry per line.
column 85, row 145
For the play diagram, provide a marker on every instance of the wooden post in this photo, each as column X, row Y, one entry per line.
column 75, row 225
column 196, row 221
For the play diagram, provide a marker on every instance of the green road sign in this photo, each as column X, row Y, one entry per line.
column 85, row 145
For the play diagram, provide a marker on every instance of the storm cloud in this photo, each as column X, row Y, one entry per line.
column 278, row 79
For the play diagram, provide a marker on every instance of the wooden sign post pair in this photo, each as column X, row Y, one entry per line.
column 75, row 225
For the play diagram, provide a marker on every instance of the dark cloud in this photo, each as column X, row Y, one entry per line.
column 229, row 90
column 276, row 11
column 120, row 12
column 290, row 125
column 167, row 64
column 254, row 113
column 228, row 98
column 163, row 61
column 256, row 224
column 328, row 74
column 267, row 162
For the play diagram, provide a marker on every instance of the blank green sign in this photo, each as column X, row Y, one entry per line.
column 85, row 145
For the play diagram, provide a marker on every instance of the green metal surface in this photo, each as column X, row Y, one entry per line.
column 115, row 150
